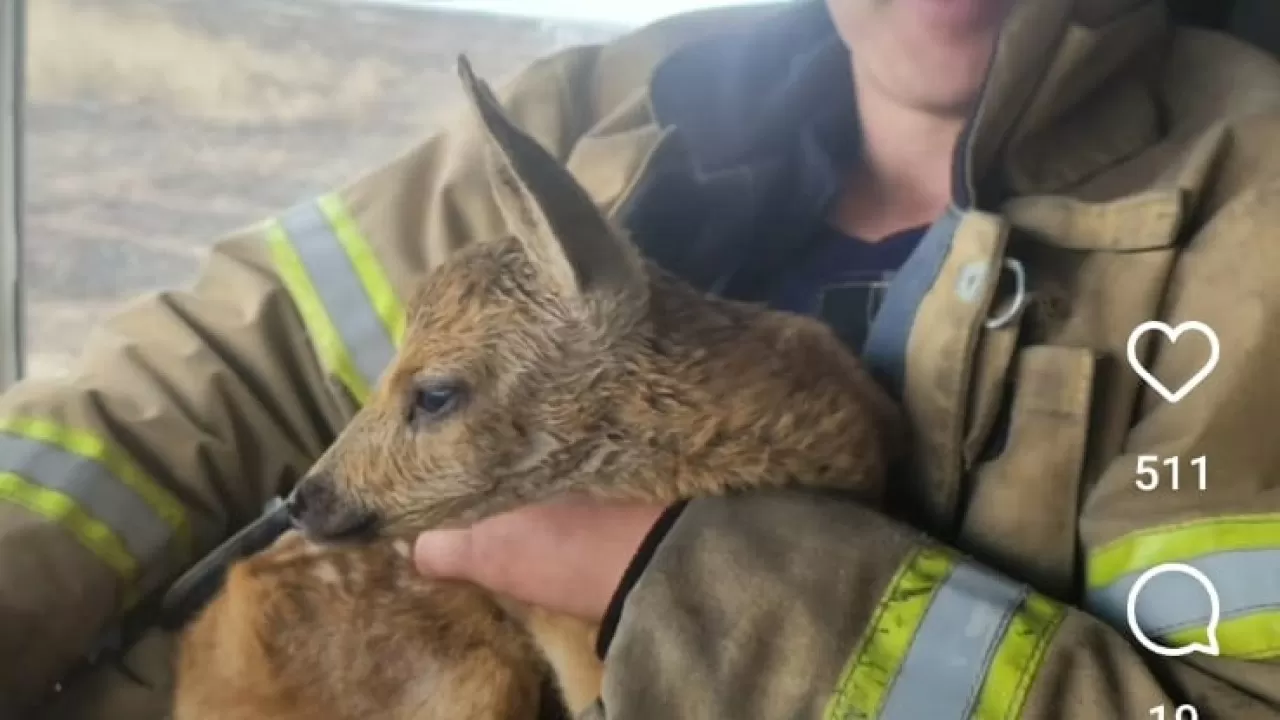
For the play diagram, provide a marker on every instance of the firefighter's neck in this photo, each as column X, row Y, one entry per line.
column 904, row 177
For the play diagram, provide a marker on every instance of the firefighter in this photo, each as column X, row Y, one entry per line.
column 984, row 197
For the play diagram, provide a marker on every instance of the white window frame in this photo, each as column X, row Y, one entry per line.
column 12, row 108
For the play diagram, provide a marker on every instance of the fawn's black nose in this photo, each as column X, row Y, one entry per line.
column 325, row 515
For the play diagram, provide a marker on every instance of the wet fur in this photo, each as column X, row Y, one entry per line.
column 305, row 632
column 590, row 371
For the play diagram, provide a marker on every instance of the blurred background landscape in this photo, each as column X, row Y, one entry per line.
column 155, row 126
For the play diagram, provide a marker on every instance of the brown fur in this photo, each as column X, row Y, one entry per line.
column 586, row 370
column 305, row 632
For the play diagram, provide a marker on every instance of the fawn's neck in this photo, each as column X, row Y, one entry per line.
column 746, row 397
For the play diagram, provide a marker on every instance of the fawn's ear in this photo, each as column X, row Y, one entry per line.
column 568, row 239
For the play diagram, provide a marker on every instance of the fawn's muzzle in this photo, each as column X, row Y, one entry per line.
column 322, row 513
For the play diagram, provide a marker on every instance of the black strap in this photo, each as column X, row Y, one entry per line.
column 648, row 546
column 193, row 590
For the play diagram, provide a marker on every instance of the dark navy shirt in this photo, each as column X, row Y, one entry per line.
column 841, row 280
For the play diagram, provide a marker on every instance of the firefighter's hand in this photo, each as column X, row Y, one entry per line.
column 568, row 556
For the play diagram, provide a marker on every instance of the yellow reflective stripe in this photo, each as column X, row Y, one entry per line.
column 1145, row 549
column 324, row 335
column 347, row 303
column 871, row 669
column 1018, row 659
column 381, row 294
column 93, row 447
column 1240, row 555
column 1253, row 637
column 63, row 511
column 939, row 607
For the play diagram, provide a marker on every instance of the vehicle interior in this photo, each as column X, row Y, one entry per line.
column 1253, row 21
column 1256, row 21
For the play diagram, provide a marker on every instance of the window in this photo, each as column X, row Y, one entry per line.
column 12, row 37
column 153, row 127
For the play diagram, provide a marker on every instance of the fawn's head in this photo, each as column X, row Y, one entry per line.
column 556, row 360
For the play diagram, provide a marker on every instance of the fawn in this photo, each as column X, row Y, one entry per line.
column 554, row 361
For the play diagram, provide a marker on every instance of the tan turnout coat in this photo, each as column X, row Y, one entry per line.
column 1116, row 171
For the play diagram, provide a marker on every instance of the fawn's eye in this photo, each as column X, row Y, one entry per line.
column 434, row 400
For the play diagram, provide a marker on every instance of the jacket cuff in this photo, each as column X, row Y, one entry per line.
column 750, row 606
column 639, row 562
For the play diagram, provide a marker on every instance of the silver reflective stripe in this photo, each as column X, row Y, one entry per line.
column 1247, row 581
column 339, row 289
column 97, row 491
column 954, row 646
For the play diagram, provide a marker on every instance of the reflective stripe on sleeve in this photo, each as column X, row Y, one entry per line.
column 346, row 301
column 949, row 639
column 1239, row 555
column 79, row 481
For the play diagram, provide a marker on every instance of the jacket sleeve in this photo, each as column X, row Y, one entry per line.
column 790, row 605
column 188, row 410
column 795, row 605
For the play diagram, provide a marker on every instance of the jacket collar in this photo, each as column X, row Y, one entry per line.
column 740, row 96
column 1060, row 69
column 1067, row 95
column 764, row 123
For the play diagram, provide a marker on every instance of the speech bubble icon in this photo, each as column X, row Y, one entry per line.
column 1173, row 396
column 1215, row 611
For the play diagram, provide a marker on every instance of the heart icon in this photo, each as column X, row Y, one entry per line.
column 1173, row 333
